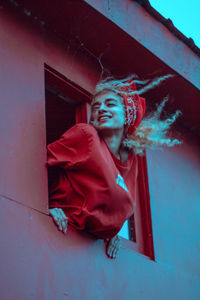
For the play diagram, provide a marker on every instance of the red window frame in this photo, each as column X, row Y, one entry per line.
column 140, row 225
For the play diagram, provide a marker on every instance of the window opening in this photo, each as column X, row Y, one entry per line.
column 67, row 104
column 60, row 114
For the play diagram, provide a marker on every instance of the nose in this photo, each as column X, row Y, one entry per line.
column 102, row 107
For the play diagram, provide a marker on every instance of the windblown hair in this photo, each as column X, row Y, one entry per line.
column 152, row 132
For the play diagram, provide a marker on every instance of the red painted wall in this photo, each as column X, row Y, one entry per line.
column 174, row 181
column 38, row 261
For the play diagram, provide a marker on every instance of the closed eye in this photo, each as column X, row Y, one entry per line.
column 111, row 102
column 95, row 107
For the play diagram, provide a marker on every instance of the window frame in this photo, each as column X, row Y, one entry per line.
column 140, row 224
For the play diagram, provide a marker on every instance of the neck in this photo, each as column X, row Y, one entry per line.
column 113, row 140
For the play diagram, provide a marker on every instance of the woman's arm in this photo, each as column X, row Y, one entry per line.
column 112, row 246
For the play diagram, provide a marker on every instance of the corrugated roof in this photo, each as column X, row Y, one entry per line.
column 169, row 24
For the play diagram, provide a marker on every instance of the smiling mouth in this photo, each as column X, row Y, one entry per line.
column 103, row 118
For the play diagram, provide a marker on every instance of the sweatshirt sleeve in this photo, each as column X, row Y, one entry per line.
column 72, row 149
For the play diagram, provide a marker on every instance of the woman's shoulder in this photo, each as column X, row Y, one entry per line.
column 80, row 135
column 74, row 146
column 81, row 129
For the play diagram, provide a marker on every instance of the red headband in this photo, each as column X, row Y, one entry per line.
column 135, row 107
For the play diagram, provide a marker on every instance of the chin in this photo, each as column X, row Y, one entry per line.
column 104, row 126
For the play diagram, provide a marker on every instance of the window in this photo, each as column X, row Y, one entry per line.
column 67, row 104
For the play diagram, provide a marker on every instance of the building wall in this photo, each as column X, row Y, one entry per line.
column 23, row 54
column 174, row 181
column 38, row 261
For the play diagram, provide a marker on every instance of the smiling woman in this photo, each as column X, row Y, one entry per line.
column 100, row 197
column 108, row 117
column 108, row 100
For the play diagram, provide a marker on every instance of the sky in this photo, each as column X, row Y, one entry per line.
column 185, row 15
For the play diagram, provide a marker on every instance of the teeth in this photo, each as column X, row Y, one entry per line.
column 101, row 118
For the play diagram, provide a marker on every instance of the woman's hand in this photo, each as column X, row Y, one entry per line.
column 113, row 246
column 60, row 218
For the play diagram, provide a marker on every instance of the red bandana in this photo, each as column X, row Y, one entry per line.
column 135, row 108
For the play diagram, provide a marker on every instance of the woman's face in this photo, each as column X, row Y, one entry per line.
column 108, row 111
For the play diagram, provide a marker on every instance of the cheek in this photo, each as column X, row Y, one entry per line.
column 123, row 111
column 122, row 116
column 122, row 119
column 93, row 114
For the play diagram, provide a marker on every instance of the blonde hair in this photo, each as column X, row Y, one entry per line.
column 152, row 132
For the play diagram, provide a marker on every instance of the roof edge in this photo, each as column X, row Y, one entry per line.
column 169, row 24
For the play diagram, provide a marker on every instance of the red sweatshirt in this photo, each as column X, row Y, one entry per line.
column 94, row 188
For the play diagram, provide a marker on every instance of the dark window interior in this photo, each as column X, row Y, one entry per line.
column 60, row 114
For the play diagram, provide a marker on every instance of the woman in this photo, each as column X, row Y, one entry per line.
column 98, row 161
